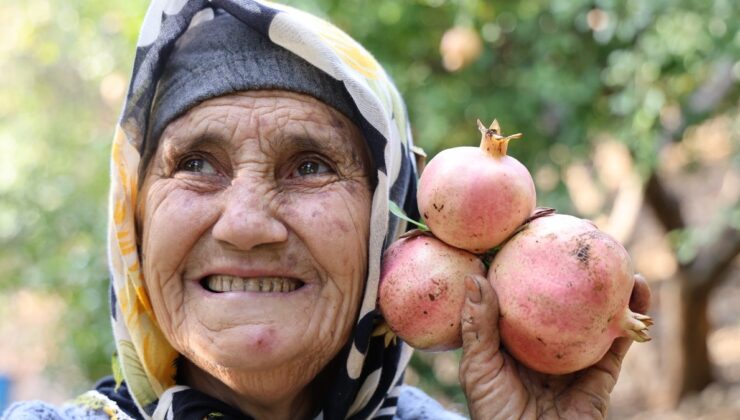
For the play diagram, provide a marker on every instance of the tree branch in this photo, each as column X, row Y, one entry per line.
column 707, row 269
column 664, row 203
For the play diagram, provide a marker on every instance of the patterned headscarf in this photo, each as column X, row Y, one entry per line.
column 372, row 363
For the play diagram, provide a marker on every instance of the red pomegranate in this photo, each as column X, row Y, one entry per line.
column 474, row 198
column 422, row 291
column 563, row 289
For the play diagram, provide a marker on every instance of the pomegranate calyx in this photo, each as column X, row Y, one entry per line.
column 492, row 142
column 635, row 326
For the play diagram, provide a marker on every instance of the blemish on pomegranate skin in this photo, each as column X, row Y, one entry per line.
column 559, row 356
column 431, row 297
column 541, row 341
column 582, row 252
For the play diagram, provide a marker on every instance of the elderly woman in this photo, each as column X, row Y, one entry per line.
column 252, row 171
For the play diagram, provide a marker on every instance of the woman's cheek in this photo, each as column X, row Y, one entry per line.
column 174, row 220
column 334, row 225
column 174, row 224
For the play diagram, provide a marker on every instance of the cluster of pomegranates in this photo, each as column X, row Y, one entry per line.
column 563, row 286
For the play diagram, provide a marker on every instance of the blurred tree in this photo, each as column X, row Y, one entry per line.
column 64, row 67
column 574, row 76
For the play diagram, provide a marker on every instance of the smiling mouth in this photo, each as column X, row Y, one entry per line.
column 222, row 283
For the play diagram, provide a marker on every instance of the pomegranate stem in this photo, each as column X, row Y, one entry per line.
column 492, row 142
column 635, row 326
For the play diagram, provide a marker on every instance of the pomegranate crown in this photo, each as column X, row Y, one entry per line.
column 492, row 142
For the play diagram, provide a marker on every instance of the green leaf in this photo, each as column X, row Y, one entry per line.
column 395, row 209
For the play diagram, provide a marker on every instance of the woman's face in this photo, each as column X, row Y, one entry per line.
column 254, row 218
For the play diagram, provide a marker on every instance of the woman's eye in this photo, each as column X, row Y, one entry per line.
column 198, row 165
column 311, row 167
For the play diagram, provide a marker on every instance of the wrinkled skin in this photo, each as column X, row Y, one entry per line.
column 498, row 387
column 257, row 184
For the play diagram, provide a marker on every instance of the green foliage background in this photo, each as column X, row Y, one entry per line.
column 543, row 70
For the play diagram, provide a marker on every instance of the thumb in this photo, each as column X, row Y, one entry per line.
column 640, row 298
column 488, row 377
column 479, row 322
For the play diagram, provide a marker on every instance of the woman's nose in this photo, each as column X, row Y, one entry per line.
column 247, row 220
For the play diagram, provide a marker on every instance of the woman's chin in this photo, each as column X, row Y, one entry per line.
column 253, row 332
column 248, row 347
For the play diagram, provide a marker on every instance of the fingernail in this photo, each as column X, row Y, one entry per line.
column 473, row 289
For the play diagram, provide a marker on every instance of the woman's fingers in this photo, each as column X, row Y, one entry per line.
column 488, row 378
column 481, row 361
column 480, row 318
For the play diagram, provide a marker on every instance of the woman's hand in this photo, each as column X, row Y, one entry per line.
column 497, row 386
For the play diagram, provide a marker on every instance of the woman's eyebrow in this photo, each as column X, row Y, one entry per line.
column 176, row 145
column 333, row 144
column 309, row 142
column 303, row 141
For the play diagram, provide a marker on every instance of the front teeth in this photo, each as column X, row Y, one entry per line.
column 221, row 283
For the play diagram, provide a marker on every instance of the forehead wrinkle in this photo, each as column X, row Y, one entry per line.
column 301, row 125
column 288, row 132
column 194, row 129
column 309, row 134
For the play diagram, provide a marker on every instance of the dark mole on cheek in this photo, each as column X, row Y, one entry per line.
column 353, row 188
column 341, row 225
column 286, row 209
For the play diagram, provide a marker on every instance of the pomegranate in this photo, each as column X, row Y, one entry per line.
column 422, row 290
column 563, row 289
column 474, row 198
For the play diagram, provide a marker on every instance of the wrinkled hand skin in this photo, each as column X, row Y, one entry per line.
column 498, row 387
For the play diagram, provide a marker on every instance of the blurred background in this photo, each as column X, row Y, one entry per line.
column 630, row 111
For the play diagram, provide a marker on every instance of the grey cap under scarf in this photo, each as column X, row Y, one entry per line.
column 224, row 55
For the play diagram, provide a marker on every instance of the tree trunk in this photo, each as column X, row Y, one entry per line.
column 685, row 365
column 694, row 332
column 685, row 302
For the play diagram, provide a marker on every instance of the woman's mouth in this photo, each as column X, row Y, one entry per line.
column 223, row 283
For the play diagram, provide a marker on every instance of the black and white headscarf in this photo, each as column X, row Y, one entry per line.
column 373, row 361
